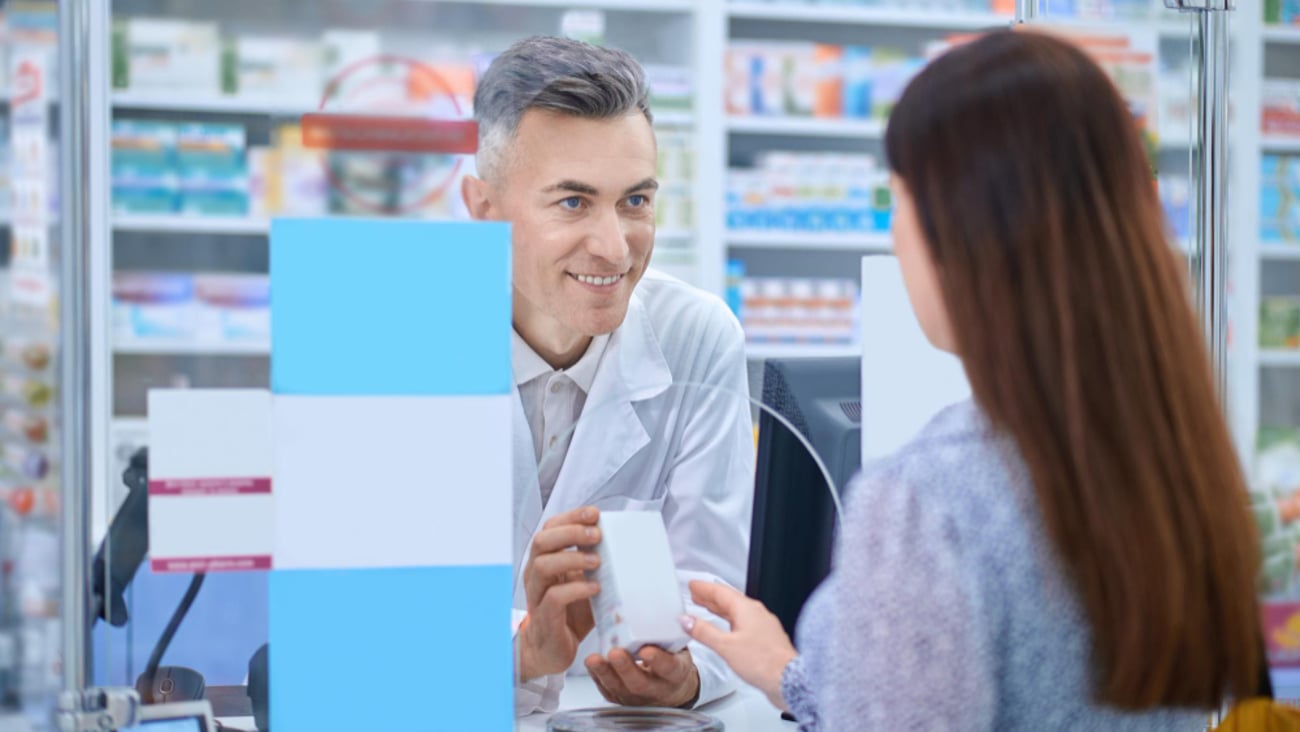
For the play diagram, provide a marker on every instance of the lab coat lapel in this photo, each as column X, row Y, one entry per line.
column 609, row 432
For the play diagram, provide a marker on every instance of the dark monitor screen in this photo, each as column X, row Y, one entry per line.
column 793, row 526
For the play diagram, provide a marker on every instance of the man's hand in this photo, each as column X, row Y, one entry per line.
column 756, row 648
column 559, row 614
column 658, row 678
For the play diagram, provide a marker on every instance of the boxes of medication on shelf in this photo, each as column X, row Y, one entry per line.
column 640, row 600
column 800, row 79
column 1282, row 12
column 161, row 55
column 232, row 308
column 202, row 310
column 798, row 310
column 1279, row 323
column 286, row 70
column 212, row 169
column 809, row 192
column 1280, row 107
column 153, row 305
column 1279, row 199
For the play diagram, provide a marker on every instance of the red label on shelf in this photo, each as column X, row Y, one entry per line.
column 211, row 564
column 208, row 486
column 329, row 131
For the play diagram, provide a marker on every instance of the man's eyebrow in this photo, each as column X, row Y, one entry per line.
column 571, row 186
column 649, row 184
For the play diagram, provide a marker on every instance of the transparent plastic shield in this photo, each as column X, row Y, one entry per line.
column 744, row 494
column 32, row 576
column 223, row 120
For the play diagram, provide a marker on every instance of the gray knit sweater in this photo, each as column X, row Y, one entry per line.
column 947, row 608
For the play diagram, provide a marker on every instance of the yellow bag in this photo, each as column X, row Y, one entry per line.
column 1261, row 715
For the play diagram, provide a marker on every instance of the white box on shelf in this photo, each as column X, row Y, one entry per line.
column 640, row 601
column 284, row 70
column 173, row 56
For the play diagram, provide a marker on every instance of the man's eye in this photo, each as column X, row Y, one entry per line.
column 572, row 203
column 637, row 200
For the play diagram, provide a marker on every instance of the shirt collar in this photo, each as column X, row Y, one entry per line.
column 528, row 365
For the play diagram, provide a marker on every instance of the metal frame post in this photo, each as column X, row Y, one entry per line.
column 1211, row 166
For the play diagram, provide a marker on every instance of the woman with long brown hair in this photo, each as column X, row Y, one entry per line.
column 1071, row 549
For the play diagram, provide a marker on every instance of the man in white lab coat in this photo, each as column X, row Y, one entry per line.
column 568, row 156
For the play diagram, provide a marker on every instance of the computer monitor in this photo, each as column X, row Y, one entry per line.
column 194, row 716
column 794, row 515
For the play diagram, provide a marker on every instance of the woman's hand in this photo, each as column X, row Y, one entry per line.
column 757, row 648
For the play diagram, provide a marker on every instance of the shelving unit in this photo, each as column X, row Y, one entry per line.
column 796, row 240
column 1277, row 144
column 191, row 224
column 806, row 127
column 1279, row 358
column 170, row 347
column 866, row 16
column 763, row 351
column 1277, row 34
column 1272, row 251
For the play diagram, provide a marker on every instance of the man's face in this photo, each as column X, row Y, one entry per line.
column 579, row 194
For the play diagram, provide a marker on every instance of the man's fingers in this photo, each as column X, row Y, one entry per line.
column 665, row 665
column 606, row 679
column 584, row 515
column 563, row 595
column 707, row 633
column 718, row 598
column 637, row 681
column 558, row 538
column 561, row 566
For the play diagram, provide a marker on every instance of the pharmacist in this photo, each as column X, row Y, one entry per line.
column 567, row 155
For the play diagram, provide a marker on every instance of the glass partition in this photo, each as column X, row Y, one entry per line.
column 31, row 642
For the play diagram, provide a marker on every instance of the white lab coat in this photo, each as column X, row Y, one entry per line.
column 687, row 452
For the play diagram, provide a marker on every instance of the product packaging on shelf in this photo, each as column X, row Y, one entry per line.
column 167, row 56
column 1279, row 199
column 809, row 192
column 798, row 310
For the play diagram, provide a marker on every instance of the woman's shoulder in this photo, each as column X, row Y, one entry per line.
column 958, row 452
column 958, row 473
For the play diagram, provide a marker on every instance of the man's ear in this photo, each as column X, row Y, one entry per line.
column 477, row 196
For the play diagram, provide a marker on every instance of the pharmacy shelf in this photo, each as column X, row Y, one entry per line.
column 806, row 126
column 179, row 102
column 192, row 224
column 130, row 424
column 1274, row 143
column 644, row 6
column 1282, row 34
column 674, row 236
column 761, row 351
column 1279, row 252
column 1166, row 25
column 865, row 16
column 177, row 347
column 674, row 119
column 1279, row 358
column 1171, row 139
column 795, row 240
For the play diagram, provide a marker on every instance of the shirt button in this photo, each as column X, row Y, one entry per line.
column 553, row 440
column 555, row 387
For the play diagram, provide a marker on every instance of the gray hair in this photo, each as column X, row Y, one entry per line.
column 557, row 74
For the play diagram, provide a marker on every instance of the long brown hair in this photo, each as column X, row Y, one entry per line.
column 1072, row 318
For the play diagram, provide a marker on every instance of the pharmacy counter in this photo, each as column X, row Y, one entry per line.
column 747, row 710
column 744, row 711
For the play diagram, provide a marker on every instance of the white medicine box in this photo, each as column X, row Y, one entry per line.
column 640, row 601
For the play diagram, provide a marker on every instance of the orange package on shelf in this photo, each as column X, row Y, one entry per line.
column 828, row 94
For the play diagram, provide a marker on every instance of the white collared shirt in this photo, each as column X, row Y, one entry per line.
column 553, row 400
